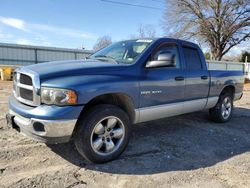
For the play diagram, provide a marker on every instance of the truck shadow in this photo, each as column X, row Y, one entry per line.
column 185, row 142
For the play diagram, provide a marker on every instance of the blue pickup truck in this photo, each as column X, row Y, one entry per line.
column 95, row 101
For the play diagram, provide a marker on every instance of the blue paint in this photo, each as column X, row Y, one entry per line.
column 45, row 112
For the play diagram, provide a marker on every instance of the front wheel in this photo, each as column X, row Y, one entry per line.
column 103, row 133
column 222, row 112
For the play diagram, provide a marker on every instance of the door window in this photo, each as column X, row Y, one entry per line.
column 192, row 58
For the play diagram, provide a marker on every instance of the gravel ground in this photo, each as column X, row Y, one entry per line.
column 185, row 151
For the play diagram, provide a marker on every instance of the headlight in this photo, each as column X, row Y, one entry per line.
column 58, row 96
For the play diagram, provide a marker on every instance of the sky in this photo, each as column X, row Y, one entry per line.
column 74, row 23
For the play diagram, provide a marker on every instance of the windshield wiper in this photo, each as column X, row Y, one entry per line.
column 104, row 57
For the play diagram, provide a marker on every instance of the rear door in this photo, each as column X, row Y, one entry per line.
column 197, row 79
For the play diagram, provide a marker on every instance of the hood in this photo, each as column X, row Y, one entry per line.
column 76, row 67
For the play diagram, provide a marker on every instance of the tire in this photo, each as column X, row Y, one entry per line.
column 103, row 133
column 222, row 112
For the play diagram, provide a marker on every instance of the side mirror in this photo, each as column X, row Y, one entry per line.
column 163, row 60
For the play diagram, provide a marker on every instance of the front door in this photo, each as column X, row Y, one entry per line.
column 162, row 88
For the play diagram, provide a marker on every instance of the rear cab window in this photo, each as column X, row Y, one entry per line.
column 192, row 58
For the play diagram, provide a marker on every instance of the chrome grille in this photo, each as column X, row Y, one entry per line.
column 26, row 94
column 26, row 86
column 24, row 79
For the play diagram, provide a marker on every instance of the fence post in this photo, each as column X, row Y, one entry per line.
column 36, row 61
column 75, row 55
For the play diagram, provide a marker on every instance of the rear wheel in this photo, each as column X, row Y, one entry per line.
column 222, row 112
column 103, row 133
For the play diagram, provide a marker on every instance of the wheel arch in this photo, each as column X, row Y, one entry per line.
column 121, row 100
column 228, row 89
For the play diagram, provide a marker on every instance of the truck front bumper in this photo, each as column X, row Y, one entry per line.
column 48, row 124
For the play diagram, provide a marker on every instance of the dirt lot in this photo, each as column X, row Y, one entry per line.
column 188, row 151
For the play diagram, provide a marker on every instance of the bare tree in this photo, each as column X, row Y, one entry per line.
column 221, row 24
column 102, row 42
column 144, row 31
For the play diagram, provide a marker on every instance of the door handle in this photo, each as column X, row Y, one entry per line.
column 179, row 78
column 204, row 77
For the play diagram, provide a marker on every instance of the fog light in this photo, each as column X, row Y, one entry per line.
column 38, row 127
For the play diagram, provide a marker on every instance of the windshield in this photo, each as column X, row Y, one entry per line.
column 122, row 52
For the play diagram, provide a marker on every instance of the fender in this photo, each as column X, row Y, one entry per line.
column 92, row 86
